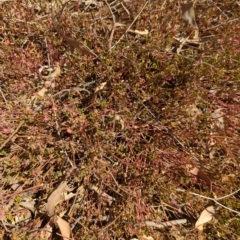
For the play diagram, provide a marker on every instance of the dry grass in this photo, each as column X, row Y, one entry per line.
column 128, row 124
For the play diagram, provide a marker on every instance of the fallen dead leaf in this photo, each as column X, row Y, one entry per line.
column 55, row 198
column 201, row 175
column 144, row 237
column 102, row 85
column 30, row 205
column 105, row 196
column 118, row 118
column 145, row 32
column 217, row 115
column 56, row 73
column 193, row 111
column 64, row 228
column 42, row 92
column 205, row 217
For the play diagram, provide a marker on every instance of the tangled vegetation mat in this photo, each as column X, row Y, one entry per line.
column 119, row 119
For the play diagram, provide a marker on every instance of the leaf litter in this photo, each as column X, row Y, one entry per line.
column 132, row 103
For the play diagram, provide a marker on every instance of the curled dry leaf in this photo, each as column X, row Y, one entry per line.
column 118, row 118
column 56, row 73
column 144, row 237
column 145, row 32
column 205, row 216
column 42, row 92
column 201, row 175
column 50, row 73
column 64, row 228
column 217, row 116
column 55, row 198
column 193, row 111
column 69, row 196
column 102, row 85
column 30, row 205
column 105, row 196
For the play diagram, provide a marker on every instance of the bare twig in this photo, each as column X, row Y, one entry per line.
column 113, row 28
column 77, row 89
column 208, row 64
column 166, row 224
column 135, row 19
column 179, row 49
column 221, row 24
column 145, row 32
column 23, row 191
column 59, row 133
column 108, row 225
column 49, row 61
column 4, row 98
column 231, row 194
column 6, row 229
column 163, row 4
column 10, row 137
column 169, row 132
column 125, row 8
column 71, row 42
column 80, row 191
column 215, row 200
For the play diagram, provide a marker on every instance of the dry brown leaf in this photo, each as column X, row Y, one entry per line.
column 68, row 196
column 145, row 32
column 102, row 85
column 205, row 217
column 46, row 232
column 144, row 237
column 118, row 118
column 193, row 111
column 30, row 205
column 201, row 175
column 105, row 196
column 42, row 92
column 55, row 198
column 217, row 115
column 56, row 73
column 64, row 228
